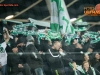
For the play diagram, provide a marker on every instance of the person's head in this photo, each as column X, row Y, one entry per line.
column 14, row 49
column 30, row 48
column 56, row 45
column 21, row 40
column 21, row 44
column 90, row 50
column 74, row 41
column 86, row 57
column 85, row 65
column 30, row 38
column 97, row 56
column 79, row 46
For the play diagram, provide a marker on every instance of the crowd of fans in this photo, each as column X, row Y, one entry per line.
column 23, row 55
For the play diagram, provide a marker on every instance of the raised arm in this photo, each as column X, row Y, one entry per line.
column 7, row 35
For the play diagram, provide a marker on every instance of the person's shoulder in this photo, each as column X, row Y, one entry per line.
column 48, row 49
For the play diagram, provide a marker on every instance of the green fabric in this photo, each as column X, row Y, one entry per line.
column 73, row 67
column 81, row 29
column 70, row 65
column 93, row 35
column 75, row 72
column 50, row 35
column 54, row 27
column 59, row 19
column 20, row 29
column 81, row 69
column 94, row 73
column 56, row 72
column 54, row 35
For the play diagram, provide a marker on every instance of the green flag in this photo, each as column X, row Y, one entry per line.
column 54, row 15
column 60, row 20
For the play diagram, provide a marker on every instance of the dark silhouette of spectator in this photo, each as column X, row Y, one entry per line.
column 34, row 60
column 16, row 64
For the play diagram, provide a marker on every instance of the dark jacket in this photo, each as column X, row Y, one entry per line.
column 54, row 59
column 34, row 60
column 44, row 45
column 13, row 61
column 96, row 64
column 86, row 46
column 90, row 71
column 72, row 72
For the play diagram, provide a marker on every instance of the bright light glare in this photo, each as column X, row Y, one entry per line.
column 72, row 20
column 9, row 17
